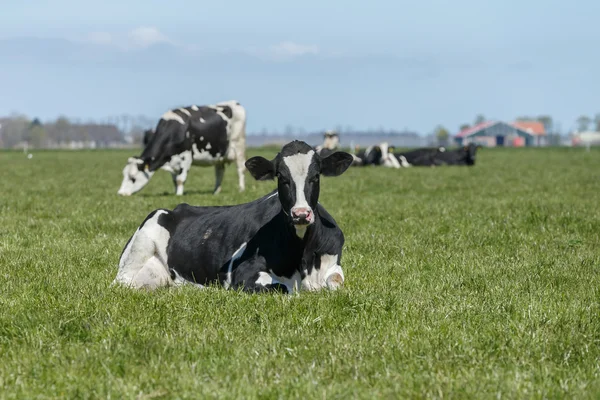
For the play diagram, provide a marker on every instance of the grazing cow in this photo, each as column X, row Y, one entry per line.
column 284, row 241
column 213, row 135
column 331, row 140
column 418, row 157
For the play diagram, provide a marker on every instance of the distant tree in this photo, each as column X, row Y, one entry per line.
column 524, row 118
column 479, row 119
column 583, row 123
column 289, row 130
column 464, row 126
column 13, row 129
column 36, row 134
column 442, row 135
column 62, row 130
column 547, row 121
column 597, row 122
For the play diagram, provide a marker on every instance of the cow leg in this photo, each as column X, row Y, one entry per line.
column 240, row 160
column 179, row 170
column 143, row 263
column 179, row 180
column 219, row 172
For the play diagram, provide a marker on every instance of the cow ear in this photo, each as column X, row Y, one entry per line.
column 261, row 168
column 336, row 163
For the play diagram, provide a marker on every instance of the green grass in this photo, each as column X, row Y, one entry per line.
column 460, row 283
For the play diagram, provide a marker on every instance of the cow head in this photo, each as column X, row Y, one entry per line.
column 298, row 169
column 470, row 151
column 135, row 177
column 331, row 140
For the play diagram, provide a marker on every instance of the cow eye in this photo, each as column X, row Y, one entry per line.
column 132, row 180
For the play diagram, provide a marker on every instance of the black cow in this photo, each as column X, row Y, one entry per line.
column 462, row 156
column 418, row 157
column 283, row 241
column 213, row 135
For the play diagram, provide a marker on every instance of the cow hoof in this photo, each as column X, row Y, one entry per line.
column 335, row 281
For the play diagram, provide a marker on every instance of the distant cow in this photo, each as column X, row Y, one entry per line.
column 284, row 241
column 419, row 157
column 376, row 155
column 462, row 156
column 331, row 140
column 212, row 135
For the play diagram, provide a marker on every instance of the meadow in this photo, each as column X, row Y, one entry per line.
column 479, row 282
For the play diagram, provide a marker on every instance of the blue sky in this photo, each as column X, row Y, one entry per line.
column 311, row 64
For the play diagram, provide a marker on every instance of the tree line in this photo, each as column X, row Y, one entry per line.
column 18, row 130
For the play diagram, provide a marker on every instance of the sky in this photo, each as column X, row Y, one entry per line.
column 317, row 65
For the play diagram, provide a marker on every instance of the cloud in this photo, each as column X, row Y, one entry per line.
column 293, row 49
column 140, row 37
column 100, row 38
column 283, row 51
column 145, row 36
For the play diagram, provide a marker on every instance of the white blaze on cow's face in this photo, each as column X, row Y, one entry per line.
column 298, row 169
column 134, row 178
column 301, row 181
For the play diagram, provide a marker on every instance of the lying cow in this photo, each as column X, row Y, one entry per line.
column 284, row 241
column 376, row 155
column 462, row 156
column 419, row 157
column 213, row 135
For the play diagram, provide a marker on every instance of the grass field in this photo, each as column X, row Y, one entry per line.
column 461, row 282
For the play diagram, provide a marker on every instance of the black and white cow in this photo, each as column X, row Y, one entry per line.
column 284, row 241
column 331, row 140
column 464, row 155
column 376, row 155
column 418, row 157
column 211, row 135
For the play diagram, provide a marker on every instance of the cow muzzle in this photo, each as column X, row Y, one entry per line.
column 123, row 193
column 302, row 216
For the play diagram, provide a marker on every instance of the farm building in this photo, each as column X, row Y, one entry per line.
column 499, row 133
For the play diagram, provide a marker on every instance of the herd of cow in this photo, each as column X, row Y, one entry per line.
column 284, row 241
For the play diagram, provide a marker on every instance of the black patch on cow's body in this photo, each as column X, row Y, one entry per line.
column 418, row 157
column 226, row 110
column 433, row 156
column 370, row 156
column 203, row 127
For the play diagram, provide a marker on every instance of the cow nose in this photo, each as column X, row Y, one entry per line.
column 301, row 214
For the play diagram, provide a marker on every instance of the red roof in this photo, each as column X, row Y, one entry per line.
column 532, row 127
column 473, row 129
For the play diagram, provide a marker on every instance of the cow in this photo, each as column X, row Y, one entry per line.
column 464, row 155
column 284, row 241
column 376, row 155
column 210, row 135
column 331, row 140
column 418, row 157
